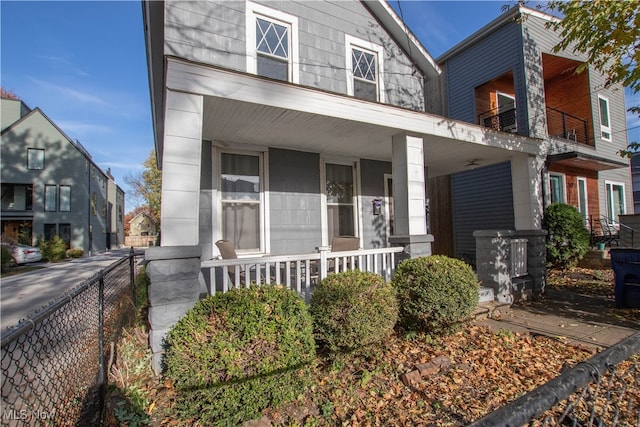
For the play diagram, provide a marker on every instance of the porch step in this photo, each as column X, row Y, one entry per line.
column 522, row 288
column 489, row 310
column 486, row 294
column 596, row 259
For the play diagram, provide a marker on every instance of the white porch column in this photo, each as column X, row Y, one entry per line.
column 526, row 182
column 409, row 199
column 181, row 169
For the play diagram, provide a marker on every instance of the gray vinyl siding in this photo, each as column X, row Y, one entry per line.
column 374, row 227
column 294, row 201
column 492, row 56
column 12, row 111
column 482, row 199
column 214, row 33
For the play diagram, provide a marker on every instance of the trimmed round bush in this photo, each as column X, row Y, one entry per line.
column 567, row 236
column 435, row 293
column 237, row 353
column 353, row 309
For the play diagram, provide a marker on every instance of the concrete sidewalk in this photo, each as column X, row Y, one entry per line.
column 587, row 321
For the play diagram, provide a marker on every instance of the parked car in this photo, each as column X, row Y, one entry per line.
column 23, row 254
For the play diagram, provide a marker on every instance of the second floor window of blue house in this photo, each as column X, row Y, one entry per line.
column 272, row 44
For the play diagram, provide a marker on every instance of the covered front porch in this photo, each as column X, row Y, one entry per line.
column 293, row 167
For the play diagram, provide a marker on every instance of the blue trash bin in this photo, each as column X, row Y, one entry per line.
column 625, row 263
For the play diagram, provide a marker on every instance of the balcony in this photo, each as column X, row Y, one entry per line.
column 566, row 126
column 504, row 121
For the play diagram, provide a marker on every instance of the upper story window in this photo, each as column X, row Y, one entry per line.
column 50, row 198
column 272, row 43
column 65, row 198
column 364, row 65
column 35, row 158
column 605, row 120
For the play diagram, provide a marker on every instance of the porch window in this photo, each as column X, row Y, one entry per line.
column 35, row 158
column 241, row 200
column 50, row 198
column 605, row 125
column 557, row 188
column 582, row 199
column 364, row 62
column 615, row 200
column 272, row 35
column 340, row 200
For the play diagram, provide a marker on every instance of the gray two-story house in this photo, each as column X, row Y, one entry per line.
column 507, row 77
column 51, row 186
column 280, row 125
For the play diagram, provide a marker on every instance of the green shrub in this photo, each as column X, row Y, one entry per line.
column 237, row 353
column 6, row 259
column 53, row 250
column 435, row 293
column 142, row 283
column 567, row 235
column 353, row 309
column 75, row 253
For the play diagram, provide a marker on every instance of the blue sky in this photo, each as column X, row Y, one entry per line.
column 83, row 64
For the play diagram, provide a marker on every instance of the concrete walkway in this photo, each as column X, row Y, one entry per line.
column 587, row 321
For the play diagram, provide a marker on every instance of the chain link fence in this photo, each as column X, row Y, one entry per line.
column 603, row 391
column 53, row 362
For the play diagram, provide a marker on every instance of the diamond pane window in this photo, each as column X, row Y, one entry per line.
column 272, row 38
column 364, row 65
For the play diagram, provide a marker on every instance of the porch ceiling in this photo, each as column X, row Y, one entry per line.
column 245, row 109
column 233, row 123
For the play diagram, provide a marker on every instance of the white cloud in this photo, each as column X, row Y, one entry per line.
column 64, row 63
column 81, row 128
column 79, row 96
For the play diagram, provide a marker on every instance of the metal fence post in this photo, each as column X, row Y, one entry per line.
column 132, row 273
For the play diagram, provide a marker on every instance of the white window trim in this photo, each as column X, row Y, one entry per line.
column 357, row 215
column 604, row 129
column 265, row 234
column 586, row 196
column 254, row 10
column 351, row 42
column 564, row 186
column 609, row 197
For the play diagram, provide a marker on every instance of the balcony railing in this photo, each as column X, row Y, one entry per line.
column 564, row 125
column 299, row 272
column 504, row 121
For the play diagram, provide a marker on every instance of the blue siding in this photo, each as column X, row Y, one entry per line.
column 493, row 56
column 482, row 199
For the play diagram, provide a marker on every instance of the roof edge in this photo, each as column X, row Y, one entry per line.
column 501, row 20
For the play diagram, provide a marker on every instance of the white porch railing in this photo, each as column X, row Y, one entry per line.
column 298, row 272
